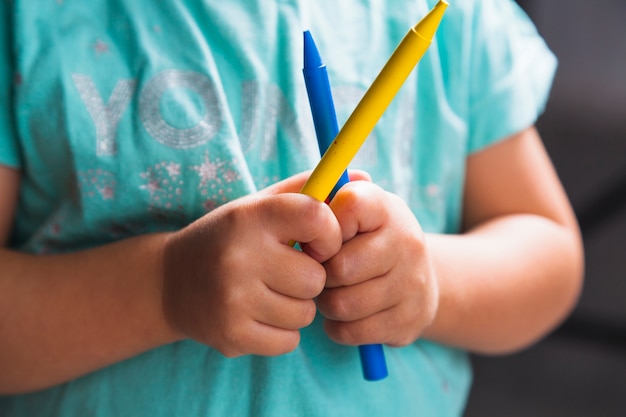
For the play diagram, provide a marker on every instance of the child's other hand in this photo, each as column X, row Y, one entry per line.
column 380, row 286
column 232, row 281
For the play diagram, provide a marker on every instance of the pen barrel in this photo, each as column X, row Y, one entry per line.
column 322, row 106
column 323, row 112
column 365, row 116
column 373, row 362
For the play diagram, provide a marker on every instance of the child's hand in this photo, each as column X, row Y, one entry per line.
column 380, row 286
column 231, row 280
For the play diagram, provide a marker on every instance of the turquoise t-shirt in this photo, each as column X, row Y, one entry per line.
column 128, row 117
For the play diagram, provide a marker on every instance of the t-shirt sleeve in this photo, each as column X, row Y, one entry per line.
column 9, row 149
column 511, row 73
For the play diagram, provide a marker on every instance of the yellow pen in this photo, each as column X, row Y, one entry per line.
column 373, row 104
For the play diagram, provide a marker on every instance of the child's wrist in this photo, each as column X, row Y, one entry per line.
column 167, row 331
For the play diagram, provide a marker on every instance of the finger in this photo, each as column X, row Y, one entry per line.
column 358, row 301
column 359, row 175
column 355, row 333
column 360, row 207
column 259, row 339
column 384, row 327
column 297, row 217
column 283, row 312
column 294, row 274
column 360, row 259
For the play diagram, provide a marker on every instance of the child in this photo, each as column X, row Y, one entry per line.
column 149, row 155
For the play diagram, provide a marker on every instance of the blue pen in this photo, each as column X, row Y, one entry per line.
column 326, row 129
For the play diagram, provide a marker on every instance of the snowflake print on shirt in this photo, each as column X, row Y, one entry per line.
column 215, row 181
column 97, row 182
column 166, row 185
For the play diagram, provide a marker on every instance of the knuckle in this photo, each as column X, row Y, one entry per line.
column 338, row 307
column 321, row 219
column 348, row 197
column 318, row 214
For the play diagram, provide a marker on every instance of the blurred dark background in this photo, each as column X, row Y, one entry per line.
column 580, row 369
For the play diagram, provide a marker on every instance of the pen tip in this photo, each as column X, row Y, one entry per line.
column 430, row 23
column 312, row 57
